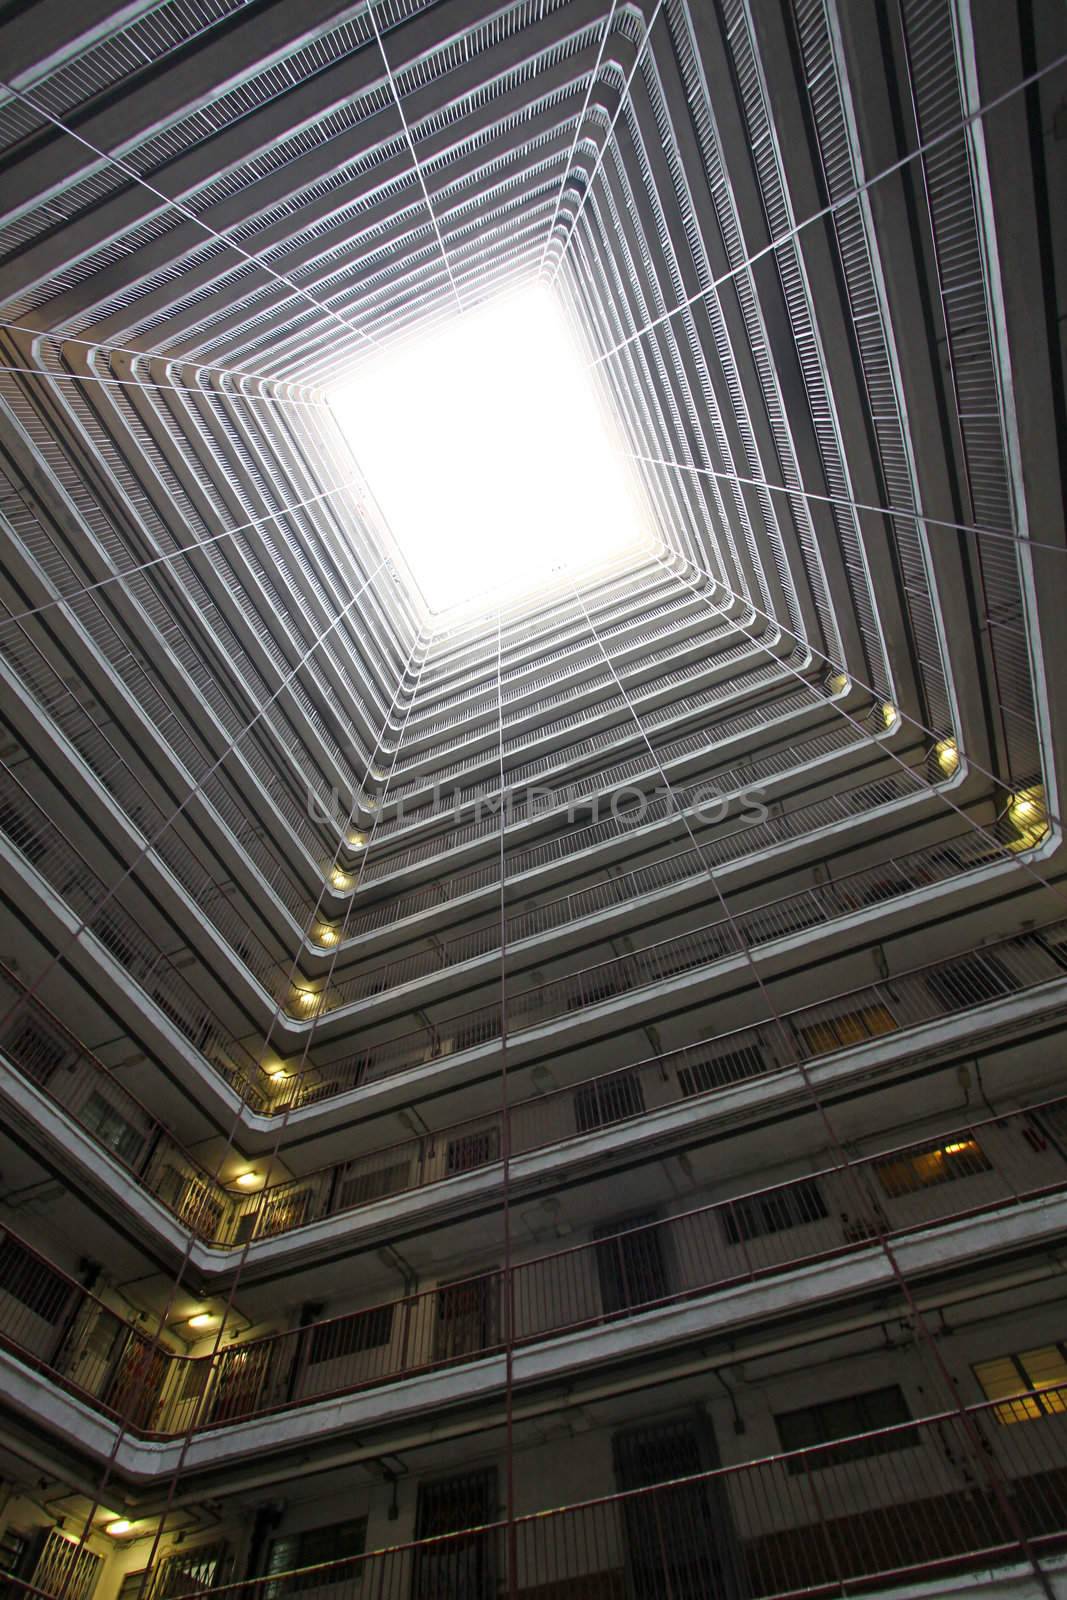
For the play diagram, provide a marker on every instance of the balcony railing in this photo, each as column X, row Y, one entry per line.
column 55, row 1325
column 719, row 940
column 48, row 1054
column 952, row 1493
column 638, row 769
column 683, row 866
column 677, row 710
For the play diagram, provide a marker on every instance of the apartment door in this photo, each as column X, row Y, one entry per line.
column 463, row 1568
column 679, row 1541
column 242, row 1379
column 135, row 1387
column 631, row 1263
column 467, row 1317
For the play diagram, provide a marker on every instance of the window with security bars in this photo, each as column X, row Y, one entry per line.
column 608, row 1100
column 460, row 1568
column 630, row 1263
column 14, row 1553
column 133, row 1585
column 311, row 1549
column 847, row 1028
column 186, row 1571
column 931, row 1166
column 755, row 1215
column 732, row 1066
column 349, row 1336
column 472, row 1150
column 1043, row 1370
column 970, row 981
column 111, row 1129
column 360, row 1188
column 34, row 1049
column 31, row 1281
column 828, row 1420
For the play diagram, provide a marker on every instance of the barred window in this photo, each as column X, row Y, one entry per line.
column 828, row 1420
column 1043, row 1369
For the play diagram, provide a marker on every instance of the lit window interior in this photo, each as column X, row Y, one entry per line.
column 490, row 454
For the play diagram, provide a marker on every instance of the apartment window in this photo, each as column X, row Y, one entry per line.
column 839, row 1419
column 630, row 1263
column 590, row 989
column 607, row 1100
column 277, row 1214
column 363, row 1187
column 1043, row 1369
column 186, row 1571
column 31, row 1281
column 466, row 1322
column 970, row 981
column 350, row 1336
column 14, row 1552
column 850, row 1027
column 462, row 1569
column 755, row 1215
column 718, row 1071
column 929, row 1167
column 111, row 1129
column 472, row 1150
column 337, row 1542
column 35, row 1050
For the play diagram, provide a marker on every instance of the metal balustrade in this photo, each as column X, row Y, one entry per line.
column 754, row 679
column 554, row 637
column 158, row 618
column 575, row 656
column 78, row 726
column 287, row 608
column 672, row 870
column 52, row 1323
column 638, row 767
column 147, row 589
column 55, row 857
column 602, row 681
column 702, row 947
column 58, row 861
column 608, row 705
column 65, row 1070
column 954, row 1493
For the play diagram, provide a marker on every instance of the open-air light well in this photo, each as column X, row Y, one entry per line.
column 489, row 452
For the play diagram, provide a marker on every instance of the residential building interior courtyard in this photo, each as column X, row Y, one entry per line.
column 534, row 690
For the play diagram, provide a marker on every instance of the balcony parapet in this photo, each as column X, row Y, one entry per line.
column 977, row 1190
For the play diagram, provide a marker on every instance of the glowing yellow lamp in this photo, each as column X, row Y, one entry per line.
column 947, row 752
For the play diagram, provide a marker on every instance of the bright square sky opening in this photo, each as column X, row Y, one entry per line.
column 490, row 453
